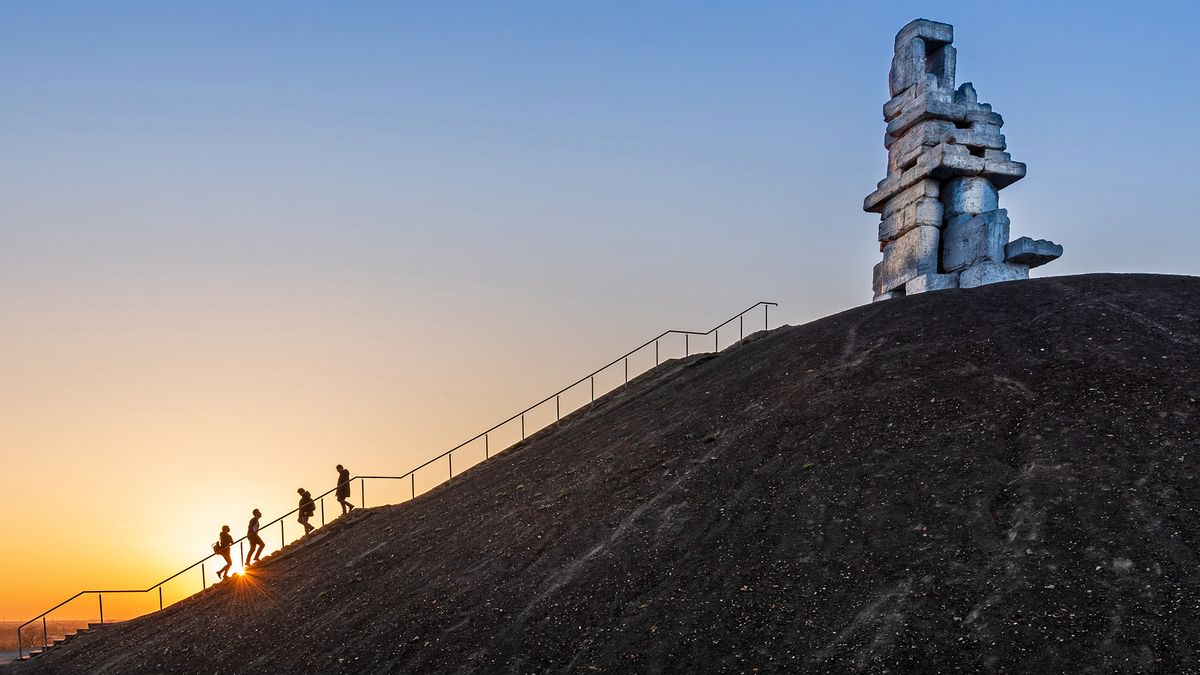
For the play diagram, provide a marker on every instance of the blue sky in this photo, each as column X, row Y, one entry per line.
column 607, row 147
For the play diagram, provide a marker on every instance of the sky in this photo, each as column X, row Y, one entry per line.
column 243, row 242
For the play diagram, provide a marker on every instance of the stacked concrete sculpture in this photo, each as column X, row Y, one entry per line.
column 941, row 225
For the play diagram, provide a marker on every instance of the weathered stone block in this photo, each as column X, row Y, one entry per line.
column 1031, row 252
column 896, row 104
column 941, row 161
column 977, row 240
column 930, row 282
column 969, row 194
column 925, row 107
column 880, row 297
column 948, row 160
column 991, row 273
column 912, row 254
column 1002, row 172
column 924, row 211
column 979, row 136
column 933, row 32
column 983, row 115
column 908, row 66
column 905, row 150
column 924, row 188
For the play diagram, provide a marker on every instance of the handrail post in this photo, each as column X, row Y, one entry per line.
column 486, row 451
column 557, row 409
column 362, row 491
column 21, row 646
column 160, row 598
column 656, row 352
column 281, row 538
column 741, row 326
column 592, row 379
column 766, row 315
column 716, row 336
column 100, row 596
column 450, row 463
column 322, row 512
column 522, row 426
column 413, row 478
column 626, row 370
column 45, row 636
column 241, row 558
column 203, row 578
column 687, row 351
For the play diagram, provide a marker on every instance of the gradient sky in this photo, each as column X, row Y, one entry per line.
column 243, row 242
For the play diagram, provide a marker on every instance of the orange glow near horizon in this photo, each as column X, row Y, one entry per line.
column 128, row 448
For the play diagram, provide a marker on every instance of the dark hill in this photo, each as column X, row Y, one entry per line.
column 1001, row 479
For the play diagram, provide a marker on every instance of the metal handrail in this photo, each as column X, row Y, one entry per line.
column 448, row 454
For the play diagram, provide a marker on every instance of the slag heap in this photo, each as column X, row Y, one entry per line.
column 941, row 225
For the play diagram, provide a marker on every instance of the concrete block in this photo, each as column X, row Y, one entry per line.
column 979, row 136
column 926, row 211
column 981, row 116
column 977, row 240
column 1031, row 252
column 926, row 107
column 897, row 104
column 991, row 273
column 905, row 150
column 940, row 162
column 1002, row 172
column 947, row 161
column 880, row 297
column 923, row 188
column 908, row 66
column 930, row 282
column 933, row 32
column 914, row 253
column 969, row 194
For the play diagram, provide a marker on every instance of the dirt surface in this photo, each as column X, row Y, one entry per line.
column 1001, row 479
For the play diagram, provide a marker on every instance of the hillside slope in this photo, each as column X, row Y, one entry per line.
column 1001, row 479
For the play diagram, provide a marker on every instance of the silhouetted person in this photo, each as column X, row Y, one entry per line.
column 343, row 489
column 256, row 542
column 307, row 508
column 222, row 548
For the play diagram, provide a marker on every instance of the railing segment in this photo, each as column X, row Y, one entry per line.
column 448, row 455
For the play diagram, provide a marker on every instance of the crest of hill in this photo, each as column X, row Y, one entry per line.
column 997, row 479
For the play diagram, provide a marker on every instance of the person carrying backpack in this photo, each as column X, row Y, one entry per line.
column 222, row 548
column 307, row 508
